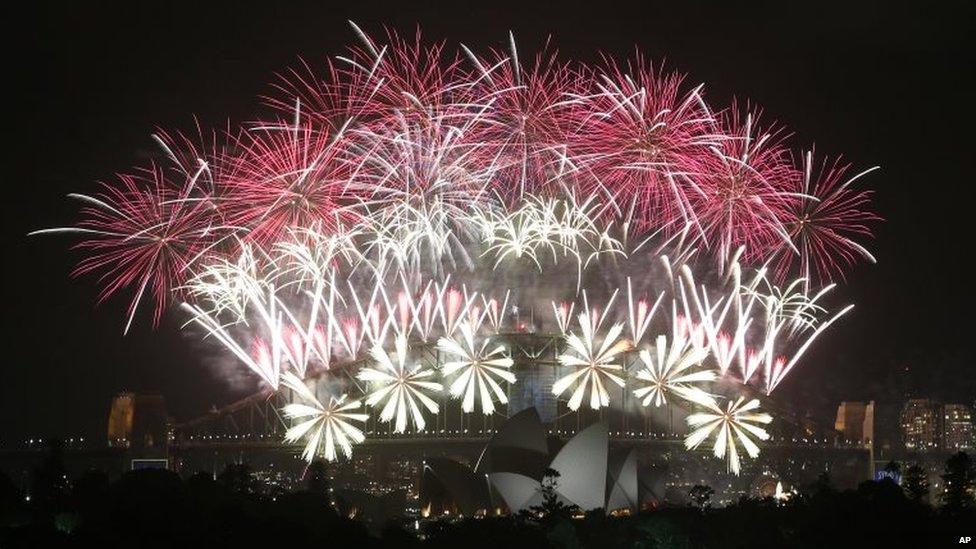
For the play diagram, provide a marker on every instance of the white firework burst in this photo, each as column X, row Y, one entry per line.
column 736, row 423
column 593, row 364
column 311, row 257
column 402, row 387
column 515, row 234
column 565, row 229
column 326, row 428
column 424, row 185
column 479, row 370
column 668, row 372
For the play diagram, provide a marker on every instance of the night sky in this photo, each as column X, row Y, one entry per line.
column 883, row 84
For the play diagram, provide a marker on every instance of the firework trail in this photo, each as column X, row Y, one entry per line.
column 744, row 189
column 823, row 217
column 144, row 233
column 288, row 176
column 645, row 136
column 526, row 119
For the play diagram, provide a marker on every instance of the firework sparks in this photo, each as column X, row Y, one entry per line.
column 478, row 371
column 527, row 118
column 144, row 234
column 423, row 186
column 289, row 176
column 790, row 314
column 594, row 364
column 645, row 136
column 745, row 189
column 402, row 387
column 824, row 216
column 737, row 424
column 667, row 372
column 326, row 428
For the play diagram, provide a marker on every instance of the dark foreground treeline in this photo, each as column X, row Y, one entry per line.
column 159, row 509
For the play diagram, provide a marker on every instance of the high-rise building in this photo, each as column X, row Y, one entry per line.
column 855, row 420
column 922, row 424
column 958, row 421
column 888, row 438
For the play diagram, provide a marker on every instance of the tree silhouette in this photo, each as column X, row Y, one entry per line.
column 916, row 484
column 49, row 485
column 892, row 469
column 237, row 478
column 958, row 480
column 701, row 495
column 822, row 486
column 552, row 506
column 317, row 479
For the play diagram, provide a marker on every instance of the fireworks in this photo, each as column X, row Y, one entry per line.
column 478, row 371
column 144, row 234
column 526, row 127
column 410, row 197
column 550, row 231
column 422, row 185
column 327, row 427
column 593, row 363
column 737, row 424
column 666, row 372
column 645, row 135
column 823, row 217
column 288, row 177
column 744, row 189
column 403, row 387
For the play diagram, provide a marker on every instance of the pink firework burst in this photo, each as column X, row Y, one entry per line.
column 644, row 135
column 332, row 98
column 373, row 83
column 421, row 182
column 420, row 153
column 745, row 188
column 197, row 157
column 417, row 166
column 405, row 78
column 824, row 216
column 287, row 177
column 526, row 112
column 144, row 233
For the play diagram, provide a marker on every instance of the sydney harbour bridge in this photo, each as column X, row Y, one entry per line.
column 258, row 418
column 253, row 428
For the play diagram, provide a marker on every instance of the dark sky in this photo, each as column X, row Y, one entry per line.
column 882, row 83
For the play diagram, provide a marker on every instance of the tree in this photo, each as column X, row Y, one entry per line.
column 958, row 480
column 49, row 485
column 821, row 487
column 892, row 469
column 916, row 484
column 317, row 479
column 701, row 495
column 237, row 478
column 552, row 506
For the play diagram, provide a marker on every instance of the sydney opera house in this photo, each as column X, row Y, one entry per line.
column 511, row 468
